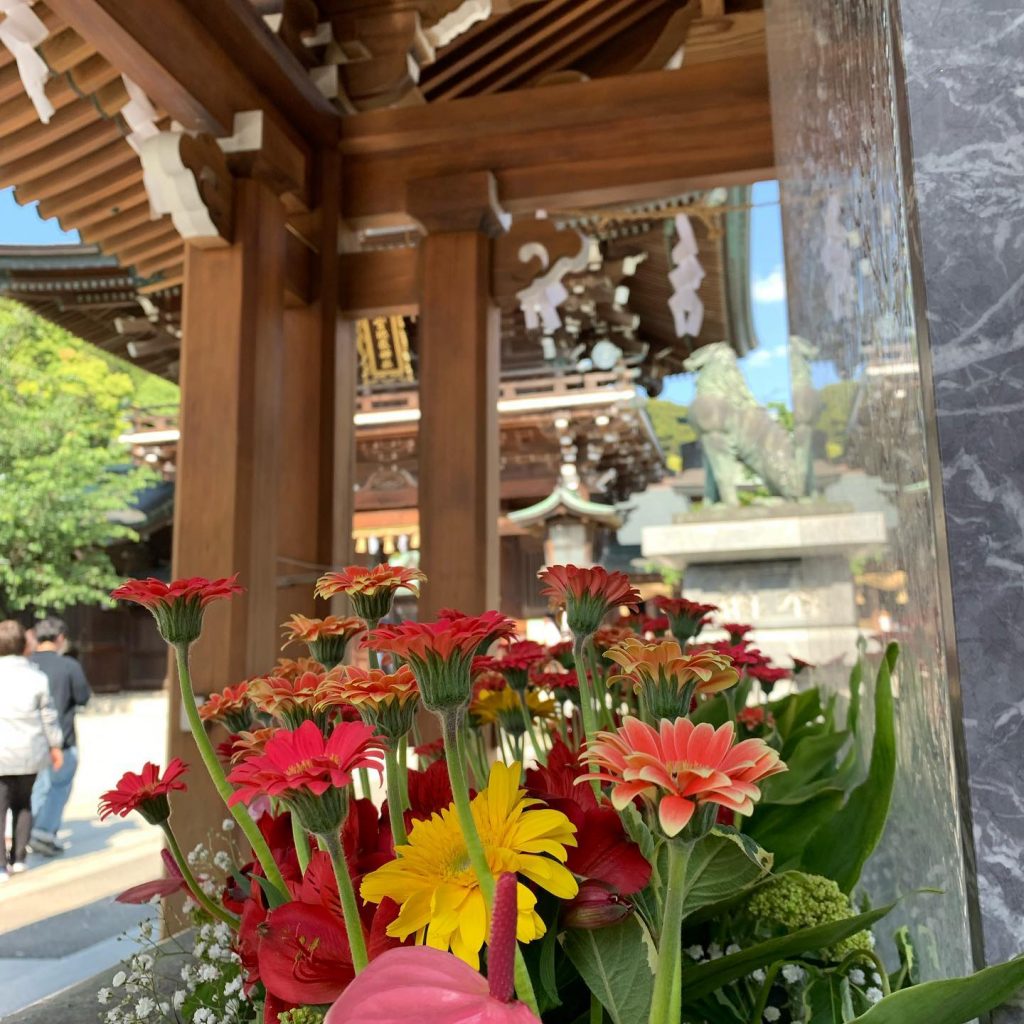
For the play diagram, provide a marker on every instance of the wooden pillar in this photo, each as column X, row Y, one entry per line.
column 459, row 368
column 225, row 517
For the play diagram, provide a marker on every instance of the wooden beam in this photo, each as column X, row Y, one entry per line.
column 459, row 367
column 205, row 63
column 225, row 515
column 379, row 283
column 586, row 143
column 721, row 38
column 61, row 152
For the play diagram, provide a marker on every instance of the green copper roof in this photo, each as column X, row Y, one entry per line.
column 565, row 502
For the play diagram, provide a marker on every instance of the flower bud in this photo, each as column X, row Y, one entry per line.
column 596, row 905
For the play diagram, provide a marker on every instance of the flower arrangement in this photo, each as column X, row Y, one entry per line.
column 621, row 829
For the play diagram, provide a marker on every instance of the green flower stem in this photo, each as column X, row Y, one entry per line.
column 601, row 691
column 667, row 976
column 539, row 751
column 586, row 698
column 349, row 908
column 395, row 804
column 364, row 783
column 859, row 956
column 372, row 655
column 764, row 992
column 403, row 770
column 213, row 766
column 452, row 732
column 213, row 909
column 301, row 840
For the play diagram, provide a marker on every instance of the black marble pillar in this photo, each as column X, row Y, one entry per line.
column 963, row 115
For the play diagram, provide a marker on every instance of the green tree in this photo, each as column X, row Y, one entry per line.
column 64, row 477
column 670, row 427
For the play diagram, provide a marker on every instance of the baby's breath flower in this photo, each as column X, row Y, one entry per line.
column 873, row 995
column 222, row 860
column 119, row 979
column 144, row 1007
column 731, row 948
column 857, row 977
column 771, row 1013
column 178, row 999
column 103, row 996
column 793, row 974
column 695, row 952
column 227, row 824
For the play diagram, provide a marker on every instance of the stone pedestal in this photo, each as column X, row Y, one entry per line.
column 783, row 568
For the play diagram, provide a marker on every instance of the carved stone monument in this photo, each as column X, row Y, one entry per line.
column 784, row 568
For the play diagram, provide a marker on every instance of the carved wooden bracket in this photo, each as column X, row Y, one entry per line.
column 527, row 267
column 187, row 177
column 259, row 149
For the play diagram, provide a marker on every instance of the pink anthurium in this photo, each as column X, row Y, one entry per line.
column 434, row 987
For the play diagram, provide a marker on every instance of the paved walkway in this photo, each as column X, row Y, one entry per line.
column 59, row 923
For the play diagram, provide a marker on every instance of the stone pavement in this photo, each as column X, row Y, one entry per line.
column 59, row 923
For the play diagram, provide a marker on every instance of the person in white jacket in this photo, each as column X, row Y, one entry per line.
column 29, row 734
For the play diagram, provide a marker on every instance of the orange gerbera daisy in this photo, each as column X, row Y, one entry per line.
column 679, row 767
column 384, row 700
column 326, row 638
column 668, row 679
column 371, row 591
column 587, row 594
column 249, row 743
column 294, row 700
column 231, row 707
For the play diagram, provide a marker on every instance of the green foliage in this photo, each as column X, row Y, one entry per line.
column 949, row 1002
column 833, row 419
column 702, row 979
column 861, row 821
column 613, row 966
column 670, row 427
column 63, row 476
column 723, row 864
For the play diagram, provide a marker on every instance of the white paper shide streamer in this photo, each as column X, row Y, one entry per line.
column 685, row 277
column 21, row 32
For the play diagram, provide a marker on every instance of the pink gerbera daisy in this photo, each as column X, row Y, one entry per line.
column 679, row 767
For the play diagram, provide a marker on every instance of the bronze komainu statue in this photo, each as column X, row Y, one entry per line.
column 735, row 432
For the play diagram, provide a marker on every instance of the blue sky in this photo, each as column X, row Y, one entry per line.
column 21, row 225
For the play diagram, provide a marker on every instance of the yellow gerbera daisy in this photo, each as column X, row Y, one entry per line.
column 503, row 706
column 432, row 881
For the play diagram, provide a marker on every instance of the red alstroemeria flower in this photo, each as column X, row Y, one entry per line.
column 146, row 793
column 231, row 707
column 799, row 665
column 587, row 594
column 326, row 639
column 741, row 654
column 178, row 606
column 755, row 719
column 371, row 591
column 686, row 618
column 680, row 766
column 603, row 852
column 441, row 653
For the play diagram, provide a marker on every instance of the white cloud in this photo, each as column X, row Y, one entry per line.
column 771, row 288
column 764, row 356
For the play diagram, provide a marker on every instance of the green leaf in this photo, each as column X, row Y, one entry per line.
column 853, row 713
column 829, row 1000
column 613, row 964
column 637, row 830
column 812, row 756
column 722, row 864
column 861, row 821
column 700, row 980
column 949, row 1002
column 274, row 896
column 785, row 828
column 795, row 710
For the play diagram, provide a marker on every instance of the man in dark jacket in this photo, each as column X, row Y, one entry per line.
column 69, row 690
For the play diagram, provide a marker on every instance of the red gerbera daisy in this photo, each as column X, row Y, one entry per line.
column 308, row 772
column 737, row 631
column 295, row 699
column 178, row 606
column 371, row 591
column 587, row 594
column 145, row 793
column 686, row 618
column 441, row 653
column 517, row 661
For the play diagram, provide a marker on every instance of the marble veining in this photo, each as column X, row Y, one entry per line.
column 965, row 107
